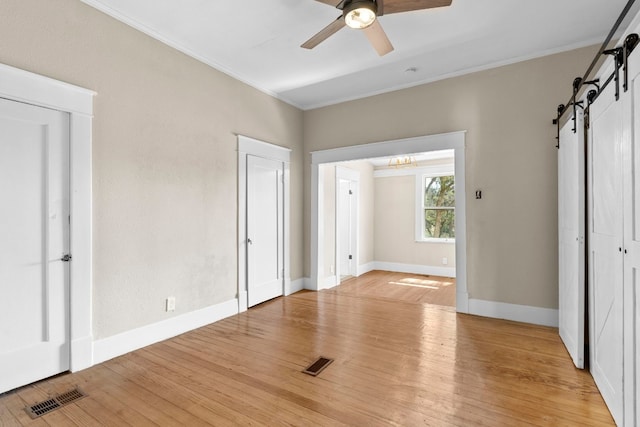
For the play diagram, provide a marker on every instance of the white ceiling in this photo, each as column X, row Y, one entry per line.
column 257, row 41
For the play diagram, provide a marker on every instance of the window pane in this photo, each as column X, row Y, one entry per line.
column 439, row 192
column 439, row 223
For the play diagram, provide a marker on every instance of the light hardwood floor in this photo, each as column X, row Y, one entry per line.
column 403, row 287
column 396, row 363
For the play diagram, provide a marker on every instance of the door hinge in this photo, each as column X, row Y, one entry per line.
column 350, row 256
column 350, row 193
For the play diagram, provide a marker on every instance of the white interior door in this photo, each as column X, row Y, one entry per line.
column 34, row 235
column 571, row 263
column 631, row 156
column 345, row 231
column 605, row 250
column 265, row 229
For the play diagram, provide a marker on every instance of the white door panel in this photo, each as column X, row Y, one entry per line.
column 631, row 158
column 605, row 256
column 571, row 238
column 34, row 235
column 265, row 222
column 347, row 222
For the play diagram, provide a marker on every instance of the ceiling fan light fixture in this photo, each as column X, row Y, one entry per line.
column 360, row 14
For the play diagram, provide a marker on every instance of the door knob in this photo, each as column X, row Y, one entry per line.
column 66, row 258
column 249, row 241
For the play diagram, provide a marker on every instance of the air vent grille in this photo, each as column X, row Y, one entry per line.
column 53, row 403
column 316, row 367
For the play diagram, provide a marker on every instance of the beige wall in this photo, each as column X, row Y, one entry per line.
column 510, row 156
column 164, row 158
column 395, row 227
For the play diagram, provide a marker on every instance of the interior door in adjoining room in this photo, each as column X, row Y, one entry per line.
column 34, row 243
column 346, row 223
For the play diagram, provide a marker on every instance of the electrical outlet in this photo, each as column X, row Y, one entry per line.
column 445, row 261
column 171, row 304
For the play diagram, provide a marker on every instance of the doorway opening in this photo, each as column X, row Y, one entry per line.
column 425, row 219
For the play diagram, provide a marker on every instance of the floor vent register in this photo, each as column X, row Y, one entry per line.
column 316, row 367
column 55, row 402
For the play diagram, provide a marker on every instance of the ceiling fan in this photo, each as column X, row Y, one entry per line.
column 363, row 14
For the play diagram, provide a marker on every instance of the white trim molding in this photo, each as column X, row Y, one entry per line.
column 250, row 146
column 428, row 270
column 329, row 282
column 294, row 286
column 134, row 339
column 515, row 312
column 365, row 268
column 23, row 86
column 429, row 172
column 421, row 144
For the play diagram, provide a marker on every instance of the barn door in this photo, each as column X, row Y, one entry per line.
column 34, row 239
column 571, row 250
column 631, row 156
column 605, row 250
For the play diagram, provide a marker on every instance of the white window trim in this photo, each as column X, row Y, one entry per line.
column 428, row 172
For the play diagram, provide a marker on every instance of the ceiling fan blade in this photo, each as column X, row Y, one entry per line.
column 397, row 6
column 333, row 3
column 324, row 34
column 378, row 38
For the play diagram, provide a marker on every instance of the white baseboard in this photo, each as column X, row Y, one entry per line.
column 515, row 312
column 329, row 282
column 498, row 310
column 243, row 302
column 415, row 269
column 117, row 345
column 81, row 354
column 365, row 268
column 309, row 284
column 462, row 302
column 295, row 286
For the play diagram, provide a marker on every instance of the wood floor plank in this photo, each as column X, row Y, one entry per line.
column 15, row 406
column 222, row 388
column 400, row 359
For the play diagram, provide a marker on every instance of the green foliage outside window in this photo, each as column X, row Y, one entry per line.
column 439, row 207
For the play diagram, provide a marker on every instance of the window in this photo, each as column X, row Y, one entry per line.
column 437, row 216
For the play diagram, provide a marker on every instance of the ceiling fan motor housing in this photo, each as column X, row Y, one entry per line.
column 359, row 4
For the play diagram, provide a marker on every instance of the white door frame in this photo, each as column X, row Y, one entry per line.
column 250, row 146
column 445, row 141
column 353, row 176
column 23, row 86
